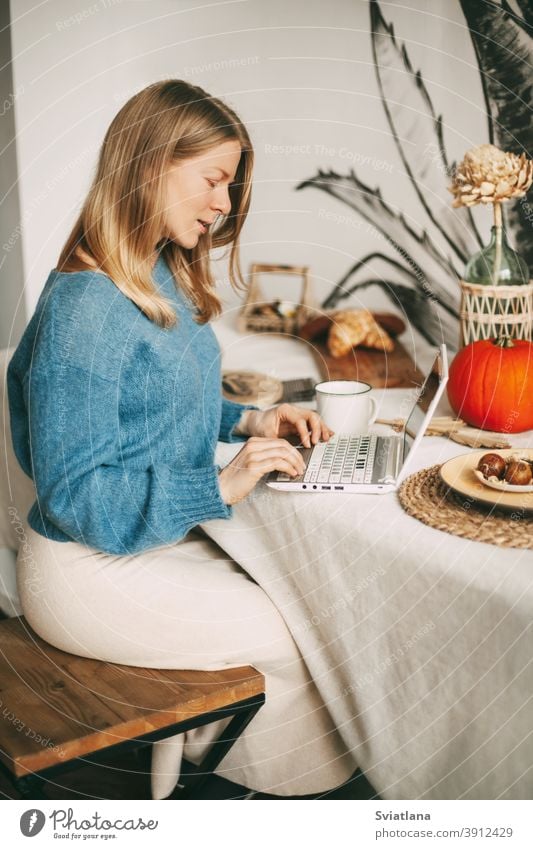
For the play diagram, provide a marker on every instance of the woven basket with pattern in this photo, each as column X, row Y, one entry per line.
column 252, row 316
column 491, row 311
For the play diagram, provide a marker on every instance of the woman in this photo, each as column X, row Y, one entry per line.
column 116, row 409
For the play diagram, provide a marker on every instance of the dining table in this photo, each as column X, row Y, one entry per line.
column 419, row 641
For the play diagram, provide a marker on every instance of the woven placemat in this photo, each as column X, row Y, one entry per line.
column 425, row 496
column 251, row 387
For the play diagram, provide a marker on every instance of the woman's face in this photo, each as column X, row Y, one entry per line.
column 196, row 192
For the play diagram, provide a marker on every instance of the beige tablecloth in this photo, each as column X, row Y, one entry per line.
column 420, row 642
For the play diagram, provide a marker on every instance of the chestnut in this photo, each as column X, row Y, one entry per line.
column 519, row 473
column 492, row 465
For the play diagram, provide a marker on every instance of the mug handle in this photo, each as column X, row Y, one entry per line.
column 374, row 411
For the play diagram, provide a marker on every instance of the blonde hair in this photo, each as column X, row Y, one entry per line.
column 121, row 221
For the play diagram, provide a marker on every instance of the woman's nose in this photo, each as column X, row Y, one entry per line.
column 221, row 200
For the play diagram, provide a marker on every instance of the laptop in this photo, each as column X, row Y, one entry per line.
column 370, row 462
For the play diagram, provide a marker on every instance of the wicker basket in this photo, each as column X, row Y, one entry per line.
column 490, row 311
column 258, row 313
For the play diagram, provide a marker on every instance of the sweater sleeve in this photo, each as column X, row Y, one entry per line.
column 231, row 414
column 85, row 489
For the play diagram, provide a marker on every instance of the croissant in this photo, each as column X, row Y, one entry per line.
column 356, row 327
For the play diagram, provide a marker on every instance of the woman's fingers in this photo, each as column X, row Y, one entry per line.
column 327, row 433
column 311, row 429
column 266, row 442
column 304, row 432
column 270, row 451
column 259, row 456
column 317, row 427
column 277, row 464
column 293, row 458
column 287, row 419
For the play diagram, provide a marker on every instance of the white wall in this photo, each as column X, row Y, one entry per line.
column 299, row 73
column 12, row 313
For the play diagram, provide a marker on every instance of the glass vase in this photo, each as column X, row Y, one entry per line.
column 497, row 264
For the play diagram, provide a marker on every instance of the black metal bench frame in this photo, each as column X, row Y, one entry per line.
column 31, row 786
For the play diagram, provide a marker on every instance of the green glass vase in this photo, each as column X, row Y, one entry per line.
column 497, row 264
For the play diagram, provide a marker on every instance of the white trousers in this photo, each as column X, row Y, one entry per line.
column 189, row 606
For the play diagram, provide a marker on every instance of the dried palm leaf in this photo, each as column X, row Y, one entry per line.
column 433, row 272
column 504, row 50
column 526, row 19
column 417, row 131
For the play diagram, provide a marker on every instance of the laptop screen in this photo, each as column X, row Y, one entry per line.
column 424, row 395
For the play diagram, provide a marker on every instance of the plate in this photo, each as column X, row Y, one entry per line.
column 459, row 474
column 502, row 486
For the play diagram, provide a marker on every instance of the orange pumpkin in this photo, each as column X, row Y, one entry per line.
column 490, row 384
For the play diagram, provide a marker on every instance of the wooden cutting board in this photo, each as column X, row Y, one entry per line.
column 380, row 370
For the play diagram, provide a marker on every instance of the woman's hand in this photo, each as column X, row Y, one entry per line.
column 258, row 457
column 285, row 420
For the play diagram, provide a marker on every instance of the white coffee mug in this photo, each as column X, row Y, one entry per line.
column 346, row 405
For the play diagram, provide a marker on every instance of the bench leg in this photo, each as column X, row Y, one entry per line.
column 30, row 786
column 216, row 753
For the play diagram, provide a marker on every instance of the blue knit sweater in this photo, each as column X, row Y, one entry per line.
column 115, row 419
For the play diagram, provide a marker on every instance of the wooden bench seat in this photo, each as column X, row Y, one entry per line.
column 56, row 707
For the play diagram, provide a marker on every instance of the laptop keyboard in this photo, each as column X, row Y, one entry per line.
column 343, row 460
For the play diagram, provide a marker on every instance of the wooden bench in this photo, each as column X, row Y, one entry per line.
column 57, row 707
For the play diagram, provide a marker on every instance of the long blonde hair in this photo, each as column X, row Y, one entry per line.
column 121, row 220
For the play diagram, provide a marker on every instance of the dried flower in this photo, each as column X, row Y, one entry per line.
column 490, row 175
